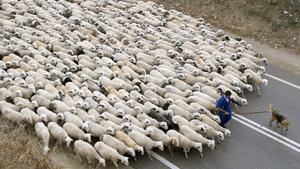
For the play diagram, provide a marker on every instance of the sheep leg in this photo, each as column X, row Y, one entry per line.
column 78, row 156
column 243, row 94
column 258, row 90
column 148, row 152
column 115, row 163
column 170, row 150
column 134, row 158
column 185, row 153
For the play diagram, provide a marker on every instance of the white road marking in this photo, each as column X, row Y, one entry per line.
column 268, row 130
column 164, row 161
column 266, row 134
column 283, row 81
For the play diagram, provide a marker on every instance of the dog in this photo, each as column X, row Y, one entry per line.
column 281, row 121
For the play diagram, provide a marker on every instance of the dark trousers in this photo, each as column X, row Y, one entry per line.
column 224, row 118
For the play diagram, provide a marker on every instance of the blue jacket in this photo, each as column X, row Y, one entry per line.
column 224, row 104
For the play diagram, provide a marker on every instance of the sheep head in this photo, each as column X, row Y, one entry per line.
column 211, row 144
column 159, row 145
column 220, row 135
column 68, row 141
column 110, row 131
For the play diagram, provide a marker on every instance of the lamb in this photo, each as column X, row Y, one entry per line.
column 59, row 133
column 44, row 134
column 194, row 136
column 185, row 142
column 118, row 145
column 205, row 119
column 83, row 148
column 70, row 117
column 109, row 153
column 75, row 132
column 96, row 130
column 158, row 135
column 122, row 136
column 144, row 141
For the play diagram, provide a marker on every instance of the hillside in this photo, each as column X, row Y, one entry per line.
column 273, row 22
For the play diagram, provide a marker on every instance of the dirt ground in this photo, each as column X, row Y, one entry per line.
column 273, row 22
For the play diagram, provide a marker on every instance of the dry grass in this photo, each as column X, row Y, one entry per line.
column 263, row 20
column 20, row 148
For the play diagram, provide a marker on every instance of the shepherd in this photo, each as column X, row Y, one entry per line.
column 224, row 109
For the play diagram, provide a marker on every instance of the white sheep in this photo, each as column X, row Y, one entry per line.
column 59, row 133
column 32, row 117
column 83, row 148
column 122, row 136
column 44, row 134
column 70, row 117
column 211, row 132
column 109, row 153
column 75, row 132
column 12, row 115
column 194, row 136
column 96, row 129
column 118, row 145
column 51, row 116
column 185, row 142
column 182, row 112
column 204, row 118
column 158, row 135
column 256, row 79
column 59, row 107
column 145, row 141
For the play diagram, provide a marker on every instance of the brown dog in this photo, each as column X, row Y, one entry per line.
column 281, row 121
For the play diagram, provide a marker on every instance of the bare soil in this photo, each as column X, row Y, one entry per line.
column 273, row 22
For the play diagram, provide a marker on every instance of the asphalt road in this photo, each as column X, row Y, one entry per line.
column 247, row 148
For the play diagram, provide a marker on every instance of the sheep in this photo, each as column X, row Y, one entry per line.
column 111, row 117
column 118, row 145
column 127, row 109
column 180, row 103
column 201, row 101
column 22, row 103
column 83, row 148
column 44, row 134
column 107, row 124
column 109, row 108
column 182, row 112
column 95, row 129
column 12, row 115
column 75, row 132
column 171, row 95
column 49, row 114
column 211, row 132
column 32, row 117
column 158, row 135
column 48, row 95
column 128, row 141
column 194, row 136
column 172, row 89
column 59, row 133
column 205, row 119
column 162, row 102
column 256, row 79
column 70, row 117
column 144, row 141
column 185, row 143
column 210, row 91
column 59, row 107
column 109, row 153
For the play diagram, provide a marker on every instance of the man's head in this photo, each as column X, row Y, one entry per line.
column 227, row 94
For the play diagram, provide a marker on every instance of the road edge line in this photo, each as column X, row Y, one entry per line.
column 164, row 161
column 283, row 81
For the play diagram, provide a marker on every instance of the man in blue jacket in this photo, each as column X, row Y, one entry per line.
column 223, row 106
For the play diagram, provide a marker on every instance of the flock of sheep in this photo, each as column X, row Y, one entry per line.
column 119, row 77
